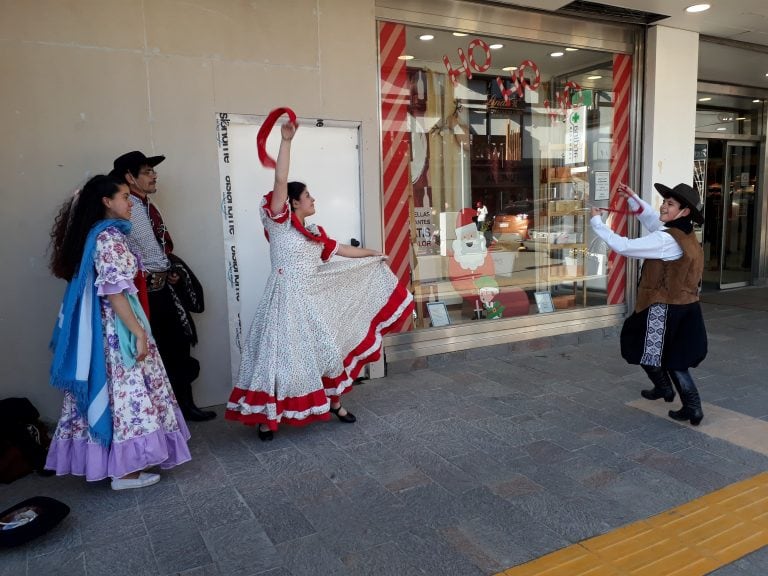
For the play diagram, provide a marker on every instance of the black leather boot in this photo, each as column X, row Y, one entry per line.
column 689, row 394
column 195, row 414
column 662, row 385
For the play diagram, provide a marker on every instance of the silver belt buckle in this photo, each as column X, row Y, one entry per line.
column 156, row 281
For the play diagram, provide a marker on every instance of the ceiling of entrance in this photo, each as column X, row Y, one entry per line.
column 741, row 20
column 735, row 20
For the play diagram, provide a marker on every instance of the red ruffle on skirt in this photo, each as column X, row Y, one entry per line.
column 301, row 410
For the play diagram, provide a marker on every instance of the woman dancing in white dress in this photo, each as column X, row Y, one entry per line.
column 318, row 323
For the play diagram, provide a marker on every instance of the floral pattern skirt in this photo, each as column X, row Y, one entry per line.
column 148, row 429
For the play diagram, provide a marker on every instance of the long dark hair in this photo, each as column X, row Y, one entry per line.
column 294, row 192
column 75, row 219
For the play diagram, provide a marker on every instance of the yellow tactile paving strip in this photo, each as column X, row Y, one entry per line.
column 691, row 540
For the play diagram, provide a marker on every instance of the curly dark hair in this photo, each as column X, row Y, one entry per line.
column 75, row 219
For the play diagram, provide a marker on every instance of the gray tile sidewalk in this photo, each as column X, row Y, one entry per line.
column 467, row 468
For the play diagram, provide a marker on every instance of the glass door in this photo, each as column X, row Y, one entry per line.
column 739, row 216
column 712, row 233
column 729, row 216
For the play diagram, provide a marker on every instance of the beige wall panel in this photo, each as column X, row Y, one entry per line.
column 79, row 89
column 348, row 57
column 68, row 105
column 104, row 23
column 67, row 110
column 349, row 77
column 259, row 31
column 243, row 88
column 188, row 196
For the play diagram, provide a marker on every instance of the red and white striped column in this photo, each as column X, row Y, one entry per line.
column 622, row 80
column 395, row 98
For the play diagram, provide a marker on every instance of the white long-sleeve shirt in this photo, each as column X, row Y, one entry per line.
column 657, row 244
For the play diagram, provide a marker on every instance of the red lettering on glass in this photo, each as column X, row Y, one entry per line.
column 518, row 80
column 536, row 74
column 505, row 92
column 467, row 64
column 453, row 74
column 471, row 49
column 464, row 64
column 563, row 101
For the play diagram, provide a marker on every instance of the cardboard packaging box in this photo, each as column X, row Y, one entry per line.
column 552, row 206
column 568, row 206
column 567, row 271
column 564, row 301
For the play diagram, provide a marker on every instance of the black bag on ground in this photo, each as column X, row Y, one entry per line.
column 24, row 439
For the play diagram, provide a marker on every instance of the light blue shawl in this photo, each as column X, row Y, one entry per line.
column 79, row 363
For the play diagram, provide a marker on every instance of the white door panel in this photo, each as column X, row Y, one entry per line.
column 326, row 158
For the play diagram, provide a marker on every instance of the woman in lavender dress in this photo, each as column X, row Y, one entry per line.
column 119, row 416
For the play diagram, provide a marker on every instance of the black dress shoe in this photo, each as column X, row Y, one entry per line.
column 265, row 435
column 194, row 414
column 349, row 418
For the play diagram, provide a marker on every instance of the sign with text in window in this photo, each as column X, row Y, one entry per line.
column 575, row 135
column 602, row 185
column 424, row 229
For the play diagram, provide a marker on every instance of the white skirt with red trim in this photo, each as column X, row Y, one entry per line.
column 311, row 337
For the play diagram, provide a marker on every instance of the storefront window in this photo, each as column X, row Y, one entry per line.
column 493, row 151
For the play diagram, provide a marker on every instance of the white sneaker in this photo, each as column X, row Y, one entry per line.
column 144, row 479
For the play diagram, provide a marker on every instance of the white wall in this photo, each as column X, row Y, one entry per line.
column 669, row 121
column 84, row 81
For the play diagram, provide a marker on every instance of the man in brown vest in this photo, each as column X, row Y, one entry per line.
column 665, row 334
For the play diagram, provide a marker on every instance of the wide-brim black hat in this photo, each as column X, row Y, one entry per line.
column 688, row 198
column 133, row 161
column 48, row 512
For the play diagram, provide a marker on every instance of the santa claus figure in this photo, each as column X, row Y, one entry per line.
column 470, row 255
column 469, row 248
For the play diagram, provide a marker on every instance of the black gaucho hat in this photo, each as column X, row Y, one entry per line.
column 132, row 161
column 688, row 198
column 30, row 519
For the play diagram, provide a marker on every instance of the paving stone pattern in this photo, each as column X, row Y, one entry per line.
column 477, row 463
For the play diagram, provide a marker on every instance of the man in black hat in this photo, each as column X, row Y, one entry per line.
column 172, row 326
column 665, row 334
